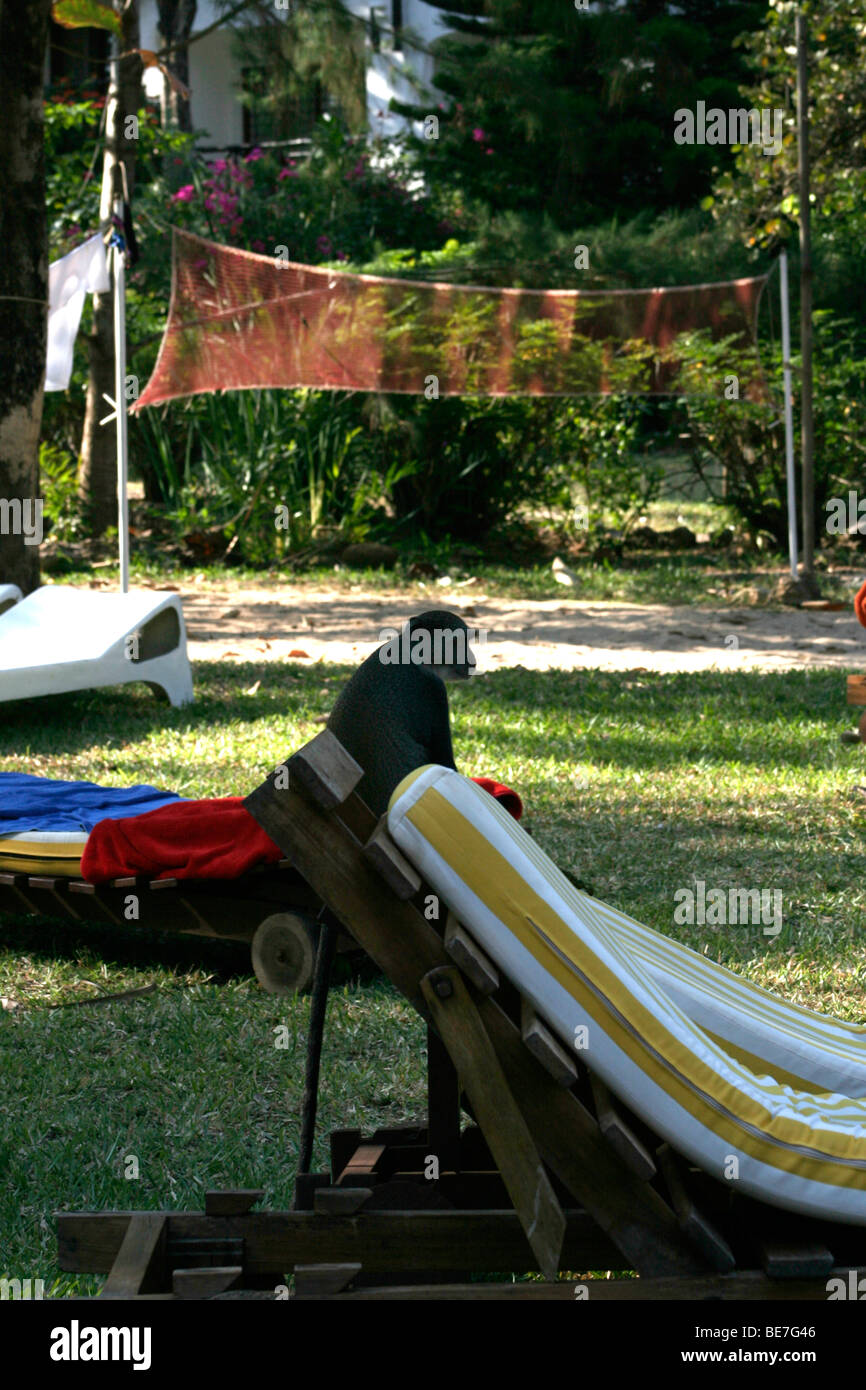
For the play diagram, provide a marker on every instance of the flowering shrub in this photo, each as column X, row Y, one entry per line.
column 347, row 202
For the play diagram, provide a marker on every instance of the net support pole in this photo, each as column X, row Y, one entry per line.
column 120, row 399
column 789, row 414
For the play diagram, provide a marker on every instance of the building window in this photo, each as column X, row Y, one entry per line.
column 269, row 116
column 77, row 59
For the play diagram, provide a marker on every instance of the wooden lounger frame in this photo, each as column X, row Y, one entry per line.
column 230, row 909
column 856, row 687
column 554, row 1175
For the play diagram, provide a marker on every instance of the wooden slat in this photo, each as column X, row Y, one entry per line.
column 468, row 955
column 324, row 771
column 139, row 1264
column 340, row 1201
column 857, row 690
column 98, row 905
column 342, row 1143
column 619, row 1134
column 17, row 884
column 480, row 1241
column 505, row 1129
column 56, row 888
column 233, row 1201
column 746, row 1286
column 393, row 866
column 312, row 1281
column 204, row 1283
column 700, row 1231
column 362, row 1163
column 545, row 1047
column 397, row 937
column 794, row 1259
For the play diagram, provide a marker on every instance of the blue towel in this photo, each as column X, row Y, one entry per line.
column 30, row 803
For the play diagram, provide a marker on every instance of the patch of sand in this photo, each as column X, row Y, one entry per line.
column 333, row 626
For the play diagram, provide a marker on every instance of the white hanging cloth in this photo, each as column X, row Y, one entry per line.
column 83, row 271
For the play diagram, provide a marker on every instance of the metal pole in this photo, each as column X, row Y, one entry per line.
column 328, row 931
column 807, row 480
column 789, row 414
column 120, row 399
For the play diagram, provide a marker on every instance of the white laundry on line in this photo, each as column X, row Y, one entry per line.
column 83, row 271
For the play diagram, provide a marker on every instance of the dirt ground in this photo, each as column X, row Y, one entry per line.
column 336, row 626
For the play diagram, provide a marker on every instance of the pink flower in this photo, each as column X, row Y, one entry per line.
column 287, row 174
column 324, row 245
column 183, row 195
column 219, row 165
column 253, row 155
column 341, row 256
column 478, row 134
column 488, row 151
column 258, row 246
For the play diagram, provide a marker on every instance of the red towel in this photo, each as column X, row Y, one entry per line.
column 191, row 839
column 508, row 799
column 860, row 604
column 199, row 839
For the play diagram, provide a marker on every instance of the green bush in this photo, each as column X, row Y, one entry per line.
column 747, row 436
column 58, row 486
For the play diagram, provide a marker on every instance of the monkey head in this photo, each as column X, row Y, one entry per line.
column 436, row 641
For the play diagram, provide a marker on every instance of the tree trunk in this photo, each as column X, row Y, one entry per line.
column 97, row 477
column 176, row 18
column 23, row 285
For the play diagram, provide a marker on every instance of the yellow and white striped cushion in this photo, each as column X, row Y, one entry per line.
column 54, row 853
column 754, row 1090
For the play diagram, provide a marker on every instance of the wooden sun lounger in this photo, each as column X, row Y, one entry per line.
column 273, row 909
column 552, row 1175
column 857, row 696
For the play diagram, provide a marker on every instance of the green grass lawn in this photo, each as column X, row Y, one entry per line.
column 639, row 783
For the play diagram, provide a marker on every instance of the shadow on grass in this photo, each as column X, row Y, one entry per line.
column 223, row 694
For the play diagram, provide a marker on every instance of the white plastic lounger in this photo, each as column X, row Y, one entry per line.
column 9, row 594
column 61, row 639
column 651, row 1017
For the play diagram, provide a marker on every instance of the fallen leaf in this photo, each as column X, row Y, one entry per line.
column 298, row 651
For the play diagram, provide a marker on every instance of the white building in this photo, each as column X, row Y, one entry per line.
column 216, row 79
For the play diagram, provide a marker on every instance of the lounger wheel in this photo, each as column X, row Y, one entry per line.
column 284, row 952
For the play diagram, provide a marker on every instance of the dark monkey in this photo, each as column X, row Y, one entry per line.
column 393, row 714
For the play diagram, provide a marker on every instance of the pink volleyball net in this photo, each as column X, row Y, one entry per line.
column 240, row 321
